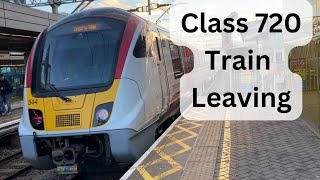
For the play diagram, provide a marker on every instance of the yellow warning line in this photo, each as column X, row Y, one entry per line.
column 175, row 141
column 225, row 156
column 175, row 166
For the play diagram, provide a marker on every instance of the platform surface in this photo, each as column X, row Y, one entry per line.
column 205, row 150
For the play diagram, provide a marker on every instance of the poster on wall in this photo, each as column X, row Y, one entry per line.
column 298, row 66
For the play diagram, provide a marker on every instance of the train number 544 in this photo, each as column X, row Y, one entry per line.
column 32, row 101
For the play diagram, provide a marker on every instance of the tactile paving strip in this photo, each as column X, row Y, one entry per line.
column 188, row 151
column 202, row 159
column 198, row 170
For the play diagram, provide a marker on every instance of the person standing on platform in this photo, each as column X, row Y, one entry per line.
column 5, row 94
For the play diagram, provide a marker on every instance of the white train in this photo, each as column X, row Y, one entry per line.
column 99, row 86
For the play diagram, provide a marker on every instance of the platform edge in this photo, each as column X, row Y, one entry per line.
column 145, row 155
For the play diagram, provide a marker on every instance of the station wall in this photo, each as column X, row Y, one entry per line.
column 305, row 61
column 25, row 18
column 17, row 19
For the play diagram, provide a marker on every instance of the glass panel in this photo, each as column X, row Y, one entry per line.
column 79, row 55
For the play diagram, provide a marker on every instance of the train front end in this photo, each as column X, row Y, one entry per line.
column 73, row 78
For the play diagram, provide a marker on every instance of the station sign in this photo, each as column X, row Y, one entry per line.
column 298, row 66
column 5, row 56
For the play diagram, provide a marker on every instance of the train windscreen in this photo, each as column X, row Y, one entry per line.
column 81, row 53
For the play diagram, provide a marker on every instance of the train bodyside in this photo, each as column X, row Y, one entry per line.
column 115, row 120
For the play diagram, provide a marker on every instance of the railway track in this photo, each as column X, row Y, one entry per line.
column 13, row 166
column 9, row 128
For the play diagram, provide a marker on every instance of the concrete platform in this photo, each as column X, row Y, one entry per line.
column 208, row 150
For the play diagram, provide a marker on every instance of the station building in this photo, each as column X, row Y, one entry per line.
column 305, row 62
column 19, row 27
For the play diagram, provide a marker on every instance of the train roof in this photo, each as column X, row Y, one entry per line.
column 103, row 12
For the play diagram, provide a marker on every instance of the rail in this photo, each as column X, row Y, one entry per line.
column 13, row 166
column 9, row 128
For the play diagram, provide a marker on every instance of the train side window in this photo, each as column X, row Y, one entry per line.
column 140, row 49
column 158, row 48
column 164, row 43
column 189, row 60
column 176, row 60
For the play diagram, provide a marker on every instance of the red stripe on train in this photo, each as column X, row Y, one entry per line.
column 125, row 44
column 30, row 63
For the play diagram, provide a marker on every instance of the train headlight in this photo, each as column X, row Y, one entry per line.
column 102, row 114
column 36, row 119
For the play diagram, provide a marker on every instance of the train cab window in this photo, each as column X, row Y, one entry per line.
column 80, row 54
column 176, row 60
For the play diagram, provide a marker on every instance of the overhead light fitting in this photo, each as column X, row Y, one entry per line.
column 17, row 35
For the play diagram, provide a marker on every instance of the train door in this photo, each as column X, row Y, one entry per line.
column 172, row 76
column 162, row 73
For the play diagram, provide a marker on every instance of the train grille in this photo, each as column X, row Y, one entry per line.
column 67, row 120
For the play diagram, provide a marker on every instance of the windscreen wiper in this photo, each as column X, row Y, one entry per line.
column 54, row 89
column 47, row 68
